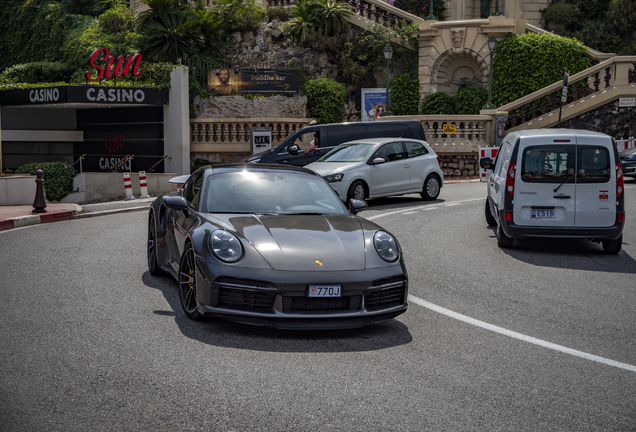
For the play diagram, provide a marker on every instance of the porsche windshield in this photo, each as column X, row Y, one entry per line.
column 354, row 152
column 267, row 192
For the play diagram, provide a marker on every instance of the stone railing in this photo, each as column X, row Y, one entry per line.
column 232, row 135
column 471, row 132
column 590, row 88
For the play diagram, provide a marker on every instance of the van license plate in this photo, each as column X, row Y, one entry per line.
column 542, row 214
column 324, row 291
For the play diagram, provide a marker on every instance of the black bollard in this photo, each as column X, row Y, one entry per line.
column 39, row 205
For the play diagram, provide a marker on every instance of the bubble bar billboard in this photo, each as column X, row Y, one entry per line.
column 225, row 82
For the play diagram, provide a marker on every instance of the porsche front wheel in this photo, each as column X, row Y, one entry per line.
column 187, row 284
column 153, row 265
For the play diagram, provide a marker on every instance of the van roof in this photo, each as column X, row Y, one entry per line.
column 561, row 131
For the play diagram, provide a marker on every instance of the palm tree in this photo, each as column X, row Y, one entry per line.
column 302, row 21
column 331, row 16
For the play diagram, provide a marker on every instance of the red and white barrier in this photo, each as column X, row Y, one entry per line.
column 143, row 185
column 489, row 152
column 625, row 144
column 128, row 187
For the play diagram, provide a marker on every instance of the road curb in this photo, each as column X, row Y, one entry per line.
column 110, row 212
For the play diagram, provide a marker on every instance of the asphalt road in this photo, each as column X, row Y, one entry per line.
column 90, row 341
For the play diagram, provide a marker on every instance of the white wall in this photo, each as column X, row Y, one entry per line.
column 18, row 190
column 176, row 124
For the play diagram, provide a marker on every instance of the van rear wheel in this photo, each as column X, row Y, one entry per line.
column 613, row 246
column 503, row 241
column 490, row 219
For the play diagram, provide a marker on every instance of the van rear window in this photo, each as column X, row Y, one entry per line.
column 547, row 164
column 593, row 164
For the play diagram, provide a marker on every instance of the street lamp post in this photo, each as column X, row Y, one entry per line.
column 496, row 11
column 430, row 12
column 492, row 45
column 388, row 53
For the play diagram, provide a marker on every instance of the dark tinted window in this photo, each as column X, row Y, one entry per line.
column 593, row 165
column 193, row 191
column 414, row 149
column 338, row 134
column 389, row 152
column 388, row 130
column 547, row 164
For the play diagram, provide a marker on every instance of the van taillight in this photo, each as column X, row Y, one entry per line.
column 621, row 218
column 510, row 179
column 619, row 180
column 439, row 161
column 509, row 216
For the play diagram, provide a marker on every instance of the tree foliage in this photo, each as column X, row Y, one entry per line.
column 405, row 96
column 326, row 17
column 526, row 63
column 326, row 99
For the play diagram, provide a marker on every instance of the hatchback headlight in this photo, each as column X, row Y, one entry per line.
column 226, row 246
column 386, row 246
column 332, row 178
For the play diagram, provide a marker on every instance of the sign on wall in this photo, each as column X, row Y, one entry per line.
column 253, row 81
column 85, row 94
column 261, row 139
column 373, row 103
column 626, row 102
column 105, row 67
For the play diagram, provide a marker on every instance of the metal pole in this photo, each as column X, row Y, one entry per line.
column 388, row 95
column 430, row 12
column 490, row 81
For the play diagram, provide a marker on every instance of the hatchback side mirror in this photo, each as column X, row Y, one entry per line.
column 378, row 160
column 293, row 150
column 356, row 206
column 485, row 163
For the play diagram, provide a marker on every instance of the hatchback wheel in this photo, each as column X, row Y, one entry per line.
column 613, row 246
column 153, row 265
column 187, row 284
column 431, row 188
column 357, row 190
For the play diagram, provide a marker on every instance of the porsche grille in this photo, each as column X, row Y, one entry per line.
column 385, row 294
column 240, row 297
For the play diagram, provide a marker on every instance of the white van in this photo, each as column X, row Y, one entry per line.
column 556, row 183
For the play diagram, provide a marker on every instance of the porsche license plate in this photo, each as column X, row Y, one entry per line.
column 324, row 290
column 542, row 214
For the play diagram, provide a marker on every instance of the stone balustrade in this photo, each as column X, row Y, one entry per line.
column 471, row 132
column 232, row 135
column 590, row 88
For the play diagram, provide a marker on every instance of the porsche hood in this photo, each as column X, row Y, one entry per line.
column 303, row 243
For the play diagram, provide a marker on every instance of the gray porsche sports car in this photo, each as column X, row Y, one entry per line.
column 273, row 245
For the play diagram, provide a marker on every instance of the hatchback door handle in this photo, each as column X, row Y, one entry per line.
column 406, row 165
column 562, row 196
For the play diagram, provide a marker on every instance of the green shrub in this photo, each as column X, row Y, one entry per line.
column 279, row 13
column 405, row 94
column 58, row 177
column 562, row 13
column 198, row 163
column 326, row 99
column 470, row 100
column 437, row 103
column 37, row 72
column 526, row 63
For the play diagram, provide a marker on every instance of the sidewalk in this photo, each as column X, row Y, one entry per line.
column 20, row 216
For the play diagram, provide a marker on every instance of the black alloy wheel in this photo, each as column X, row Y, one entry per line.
column 187, row 284
column 431, row 188
column 153, row 265
column 490, row 219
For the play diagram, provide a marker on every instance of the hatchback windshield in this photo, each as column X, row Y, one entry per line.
column 258, row 192
column 354, row 152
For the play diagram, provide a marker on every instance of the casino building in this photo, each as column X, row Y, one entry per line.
column 103, row 126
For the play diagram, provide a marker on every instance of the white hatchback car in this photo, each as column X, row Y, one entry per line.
column 560, row 183
column 378, row 167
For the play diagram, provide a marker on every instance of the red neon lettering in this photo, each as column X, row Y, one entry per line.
column 114, row 144
column 92, row 59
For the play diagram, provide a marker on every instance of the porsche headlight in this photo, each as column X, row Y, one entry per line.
column 385, row 246
column 226, row 246
column 332, row 178
column 254, row 160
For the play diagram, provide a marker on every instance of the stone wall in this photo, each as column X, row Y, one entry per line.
column 609, row 119
column 240, row 107
column 460, row 165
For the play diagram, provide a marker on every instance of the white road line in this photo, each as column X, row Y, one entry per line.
column 520, row 336
column 424, row 207
column 410, row 213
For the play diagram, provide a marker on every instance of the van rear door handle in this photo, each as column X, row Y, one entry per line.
column 562, row 196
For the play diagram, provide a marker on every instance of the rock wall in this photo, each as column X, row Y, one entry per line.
column 609, row 119
column 240, row 107
column 460, row 165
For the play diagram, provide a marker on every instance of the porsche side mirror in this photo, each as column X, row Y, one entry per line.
column 293, row 150
column 377, row 161
column 176, row 203
column 485, row 163
column 356, row 206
